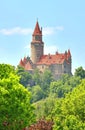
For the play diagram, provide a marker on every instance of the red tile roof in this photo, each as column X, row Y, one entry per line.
column 37, row 30
column 54, row 59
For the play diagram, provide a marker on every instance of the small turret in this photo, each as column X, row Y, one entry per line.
column 69, row 53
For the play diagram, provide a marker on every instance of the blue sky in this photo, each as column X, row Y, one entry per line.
column 63, row 23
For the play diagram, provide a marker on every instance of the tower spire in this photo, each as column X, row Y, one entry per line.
column 37, row 30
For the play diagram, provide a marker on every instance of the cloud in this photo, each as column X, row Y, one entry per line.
column 26, row 31
column 52, row 30
column 48, row 30
column 16, row 30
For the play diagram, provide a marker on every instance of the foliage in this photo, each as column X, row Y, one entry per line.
column 62, row 100
column 16, row 112
column 36, row 77
column 25, row 76
column 44, row 108
column 80, row 72
column 64, row 85
column 70, row 115
column 47, row 78
column 42, row 83
column 37, row 93
column 5, row 70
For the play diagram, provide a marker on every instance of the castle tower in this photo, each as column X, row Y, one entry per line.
column 37, row 44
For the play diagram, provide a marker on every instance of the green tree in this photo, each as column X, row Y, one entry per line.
column 46, row 79
column 43, row 80
column 25, row 76
column 5, row 70
column 36, row 77
column 71, row 114
column 43, row 108
column 58, row 89
column 37, row 93
column 16, row 111
column 64, row 85
column 80, row 72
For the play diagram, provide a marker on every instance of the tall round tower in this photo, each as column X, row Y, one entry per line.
column 37, row 44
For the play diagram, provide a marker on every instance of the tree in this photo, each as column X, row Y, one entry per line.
column 25, row 76
column 64, row 85
column 71, row 114
column 46, row 79
column 37, row 93
column 80, row 72
column 43, row 80
column 16, row 111
column 5, row 70
column 58, row 89
column 36, row 77
column 43, row 108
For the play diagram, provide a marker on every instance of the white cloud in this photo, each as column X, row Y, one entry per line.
column 26, row 31
column 52, row 30
column 16, row 30
column 48, row 30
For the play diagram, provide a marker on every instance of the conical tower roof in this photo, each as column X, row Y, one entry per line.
column 37, row 30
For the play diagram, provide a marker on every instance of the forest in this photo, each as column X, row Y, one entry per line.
column 36, row 101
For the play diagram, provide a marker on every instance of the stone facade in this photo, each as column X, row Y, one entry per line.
column 58, row 64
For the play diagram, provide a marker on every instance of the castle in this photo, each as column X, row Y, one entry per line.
column 58, row 64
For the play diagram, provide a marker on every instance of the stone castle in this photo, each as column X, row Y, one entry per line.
column 58, row 63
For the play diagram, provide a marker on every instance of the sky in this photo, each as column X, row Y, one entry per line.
column 62, row 22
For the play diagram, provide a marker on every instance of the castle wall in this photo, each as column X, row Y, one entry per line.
column 56, row 70
column 42, row 68
column 66, row 67
column 59, row 69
